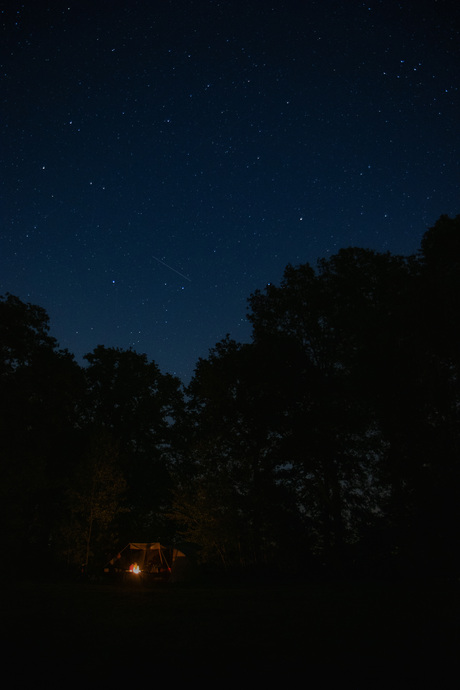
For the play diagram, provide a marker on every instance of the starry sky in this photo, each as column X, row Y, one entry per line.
column 161, row 160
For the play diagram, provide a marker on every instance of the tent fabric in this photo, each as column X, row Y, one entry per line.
column 152, row 558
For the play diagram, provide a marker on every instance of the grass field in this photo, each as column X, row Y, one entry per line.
column 137, row 633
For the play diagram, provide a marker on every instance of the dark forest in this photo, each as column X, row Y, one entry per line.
column 331, row 437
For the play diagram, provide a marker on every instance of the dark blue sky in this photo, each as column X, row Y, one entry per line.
column 162, row 160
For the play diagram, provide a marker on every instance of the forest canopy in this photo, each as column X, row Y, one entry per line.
column 332, row 436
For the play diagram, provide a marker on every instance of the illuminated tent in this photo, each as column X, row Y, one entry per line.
column 153, row 559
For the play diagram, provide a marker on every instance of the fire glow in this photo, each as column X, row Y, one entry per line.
column 134, row 568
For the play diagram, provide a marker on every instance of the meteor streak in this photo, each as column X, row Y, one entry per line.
column 171, row 268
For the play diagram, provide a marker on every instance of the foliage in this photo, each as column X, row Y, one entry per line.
column 337, row 318
column 24, row 332
column 141, row 408
column 333, row 433
column 94, row 500
column 38, row 416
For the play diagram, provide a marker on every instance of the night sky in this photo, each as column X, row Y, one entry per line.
column 162, row 160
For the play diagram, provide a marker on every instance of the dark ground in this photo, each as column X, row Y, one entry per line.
column 369, row 634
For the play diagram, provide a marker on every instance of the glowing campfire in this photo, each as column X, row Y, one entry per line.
column 134, row 568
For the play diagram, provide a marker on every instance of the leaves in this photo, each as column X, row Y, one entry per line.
column 94, row 500
column 335, row 430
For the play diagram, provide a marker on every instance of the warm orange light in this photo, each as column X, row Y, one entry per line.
column 134, row 568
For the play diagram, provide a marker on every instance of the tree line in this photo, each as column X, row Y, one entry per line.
column 329, row 443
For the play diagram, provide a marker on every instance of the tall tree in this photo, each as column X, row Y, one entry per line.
column 436, row 512
column 94, row 501
column 141, row 408
column 340, row 318
column 231, row 501
column 41, row 386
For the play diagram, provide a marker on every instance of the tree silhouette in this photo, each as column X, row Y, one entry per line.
column 336, row 428
column 129, row 397
column 233, row 459
column 94, row 499
column 40, row 386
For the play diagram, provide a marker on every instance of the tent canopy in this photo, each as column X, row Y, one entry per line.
column 152, row 558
